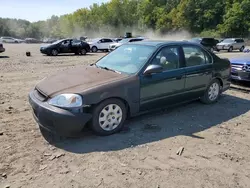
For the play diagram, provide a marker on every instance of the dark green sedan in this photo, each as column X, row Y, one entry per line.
column 132, row 79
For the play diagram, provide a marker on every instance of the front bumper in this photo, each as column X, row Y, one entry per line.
column 2, row 50
column 240, row 75
column 57, row 120
column 44, row 50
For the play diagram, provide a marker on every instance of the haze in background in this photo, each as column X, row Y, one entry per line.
column 35, row 10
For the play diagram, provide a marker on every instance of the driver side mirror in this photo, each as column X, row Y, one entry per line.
column 153, row 69
column 99, row 42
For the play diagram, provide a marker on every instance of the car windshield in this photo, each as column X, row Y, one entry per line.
column 228, row 40
column 58, row 41
column 127, row 59
column 95, row 40
column 124, row 41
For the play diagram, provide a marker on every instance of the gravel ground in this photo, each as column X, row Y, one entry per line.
column 215, row 138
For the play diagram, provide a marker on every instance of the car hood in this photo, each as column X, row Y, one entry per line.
column 77, row 80
column 240, row 60
column 48, row 46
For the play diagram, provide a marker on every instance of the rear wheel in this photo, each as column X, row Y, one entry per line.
column 54, row 52
column 83, row 51
column 212, row 92
column 230, row 49
column 108, row 117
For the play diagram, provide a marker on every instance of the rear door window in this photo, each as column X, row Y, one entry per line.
column 107, row 40
column 196, row 56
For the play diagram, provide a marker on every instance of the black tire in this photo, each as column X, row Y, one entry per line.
column 206, row 99
column 94, row 49
column 83, row 51
column 54, row 52
column 230, row 49
column 95, row 125
column 242, row 48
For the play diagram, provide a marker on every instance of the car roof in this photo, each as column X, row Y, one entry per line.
column 233, row 38
column 158, row 43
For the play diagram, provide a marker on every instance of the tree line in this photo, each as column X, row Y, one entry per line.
column 216, row 18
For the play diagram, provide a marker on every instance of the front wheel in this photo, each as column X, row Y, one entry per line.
column 212, row 93
column 54, row 52
column 230, row 49
column 242, row 49
column 94, row 49
column 108, row 117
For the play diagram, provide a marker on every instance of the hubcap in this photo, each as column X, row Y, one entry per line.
column 213, row 91
column 110, row 117
column 94, row 49
column 54, row 52
column 83, row 52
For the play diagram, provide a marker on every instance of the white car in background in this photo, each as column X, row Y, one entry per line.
column 123, row 41
column 100, row 44
column 10, row 40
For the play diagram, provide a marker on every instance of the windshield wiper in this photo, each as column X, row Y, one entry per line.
column 106, row 68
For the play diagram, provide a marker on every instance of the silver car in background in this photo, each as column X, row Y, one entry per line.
column 231, row 44
column 124, row 41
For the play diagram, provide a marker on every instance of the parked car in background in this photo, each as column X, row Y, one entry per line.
column 10, row 40
column 66, row 46
column 100, row 44
column 124, row 41
column 117, row 39
column 207, row 42
column 240, row 68
column 32, row 40
column 49, row 40
column 231, row 44
column 2, row 49
column 135, row 78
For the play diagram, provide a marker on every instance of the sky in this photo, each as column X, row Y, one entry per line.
column 35, row 10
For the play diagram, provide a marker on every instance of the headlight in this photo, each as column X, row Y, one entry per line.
column 66, row 101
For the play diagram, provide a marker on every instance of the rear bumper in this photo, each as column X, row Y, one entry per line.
column 57, row 120
column 240, row 75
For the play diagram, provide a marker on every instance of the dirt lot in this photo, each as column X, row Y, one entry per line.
column 216, row 139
